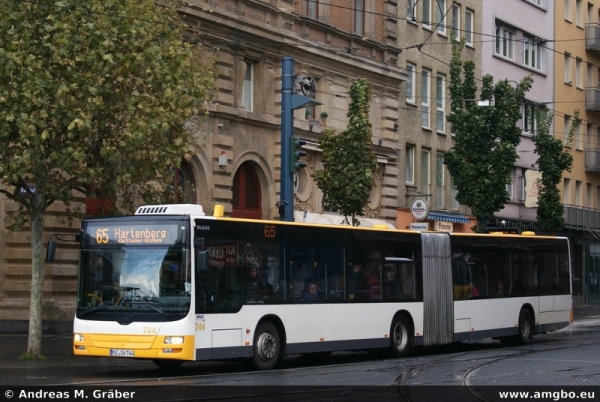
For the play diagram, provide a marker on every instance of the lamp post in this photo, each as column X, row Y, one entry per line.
column 290, row 101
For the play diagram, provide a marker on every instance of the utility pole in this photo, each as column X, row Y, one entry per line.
column 291, row 101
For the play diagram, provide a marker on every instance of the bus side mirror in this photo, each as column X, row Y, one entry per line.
column 50, row 250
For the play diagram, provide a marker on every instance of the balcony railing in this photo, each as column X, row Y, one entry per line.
column 592, row 99
column 581, row 218
column 592, row 37
column 592, row 160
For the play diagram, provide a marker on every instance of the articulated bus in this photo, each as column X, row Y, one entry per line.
column 170, row 284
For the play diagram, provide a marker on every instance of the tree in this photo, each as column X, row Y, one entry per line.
column 552, row 162
column 93, row 98
column 349, row 164
column 486, row 138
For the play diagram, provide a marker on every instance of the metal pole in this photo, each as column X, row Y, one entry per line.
column 286, row 203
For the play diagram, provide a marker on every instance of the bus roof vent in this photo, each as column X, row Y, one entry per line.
column 171, row 209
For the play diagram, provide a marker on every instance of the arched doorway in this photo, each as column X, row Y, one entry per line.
column 246, row 200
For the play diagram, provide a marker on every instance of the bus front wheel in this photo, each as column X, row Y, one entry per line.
column 266, row 346
column 401, row 336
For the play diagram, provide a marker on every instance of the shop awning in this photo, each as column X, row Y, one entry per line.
column 454, row 218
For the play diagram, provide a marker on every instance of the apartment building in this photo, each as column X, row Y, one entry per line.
column 514, row 48
column 425, row 30
column 576, row 81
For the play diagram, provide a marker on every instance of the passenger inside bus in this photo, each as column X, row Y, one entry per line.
column 312, row 294
column 499, row 290
column 408, row 280
column 358, row 284
column 256, row 289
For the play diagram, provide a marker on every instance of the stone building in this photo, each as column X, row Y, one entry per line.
column 237, row 159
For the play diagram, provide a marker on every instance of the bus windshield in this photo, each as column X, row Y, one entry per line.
column 152, row 280
column 147, row 280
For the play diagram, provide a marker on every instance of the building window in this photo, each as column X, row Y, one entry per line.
column 310, row 112
column 579, row 73
column 529, row 119
column 578, row 135
column 248, row 89
column 568, row 10
column 567, row 191
column 589, row 195
column 311, row 9
column 426, row 13
column 440, row 103
column 456, row 20
column 509, row 187
column 579, row 13
column 426, row 172
column 425, row 91
column 440, row 181
column 469, row 27
column 578, row 193
column 455, row 205
column 566, row 129
column 567, row 68
column 504, row 41
column 410, row 82
column 410, row 10
column 410, row 164
column 440, row 11
column 532, row 52
column 359, row 17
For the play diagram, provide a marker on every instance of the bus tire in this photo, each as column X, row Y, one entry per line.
column 166, row 364
column 401, row 337
column 267, row 347
column 526, row 327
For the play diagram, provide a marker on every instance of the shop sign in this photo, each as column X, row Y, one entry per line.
column 419, row 226
column 419, row 209
column 440, row 226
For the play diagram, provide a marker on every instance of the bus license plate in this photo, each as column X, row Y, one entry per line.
column 121, row 353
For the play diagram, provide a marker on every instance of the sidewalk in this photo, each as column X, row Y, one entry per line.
column 58, row 348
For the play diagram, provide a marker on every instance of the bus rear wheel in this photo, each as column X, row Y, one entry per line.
column 401, row 336
column 167, row 364
column 266, row 346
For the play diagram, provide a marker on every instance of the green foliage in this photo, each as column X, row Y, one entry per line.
column 484, row 152
column 552, row 162
column 349, row 164
column 93, row 98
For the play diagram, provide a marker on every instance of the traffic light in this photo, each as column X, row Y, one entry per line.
column 296, row 153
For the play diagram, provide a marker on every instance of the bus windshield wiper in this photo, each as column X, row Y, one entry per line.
column 93, row 309
column 151, row 305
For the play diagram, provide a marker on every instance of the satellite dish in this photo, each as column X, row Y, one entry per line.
column 308, row 85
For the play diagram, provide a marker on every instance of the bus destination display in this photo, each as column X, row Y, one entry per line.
column 127, row 233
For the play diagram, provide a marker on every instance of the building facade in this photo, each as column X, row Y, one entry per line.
column 576, row 81
column 425, row 32
column 513, row 48
column 238, row 146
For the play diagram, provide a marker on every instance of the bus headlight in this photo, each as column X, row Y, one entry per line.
column 77, row 337
column 174, row 340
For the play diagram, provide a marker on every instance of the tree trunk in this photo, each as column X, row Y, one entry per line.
column 34, row 341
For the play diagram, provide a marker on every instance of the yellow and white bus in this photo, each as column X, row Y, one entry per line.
column 170, row 284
